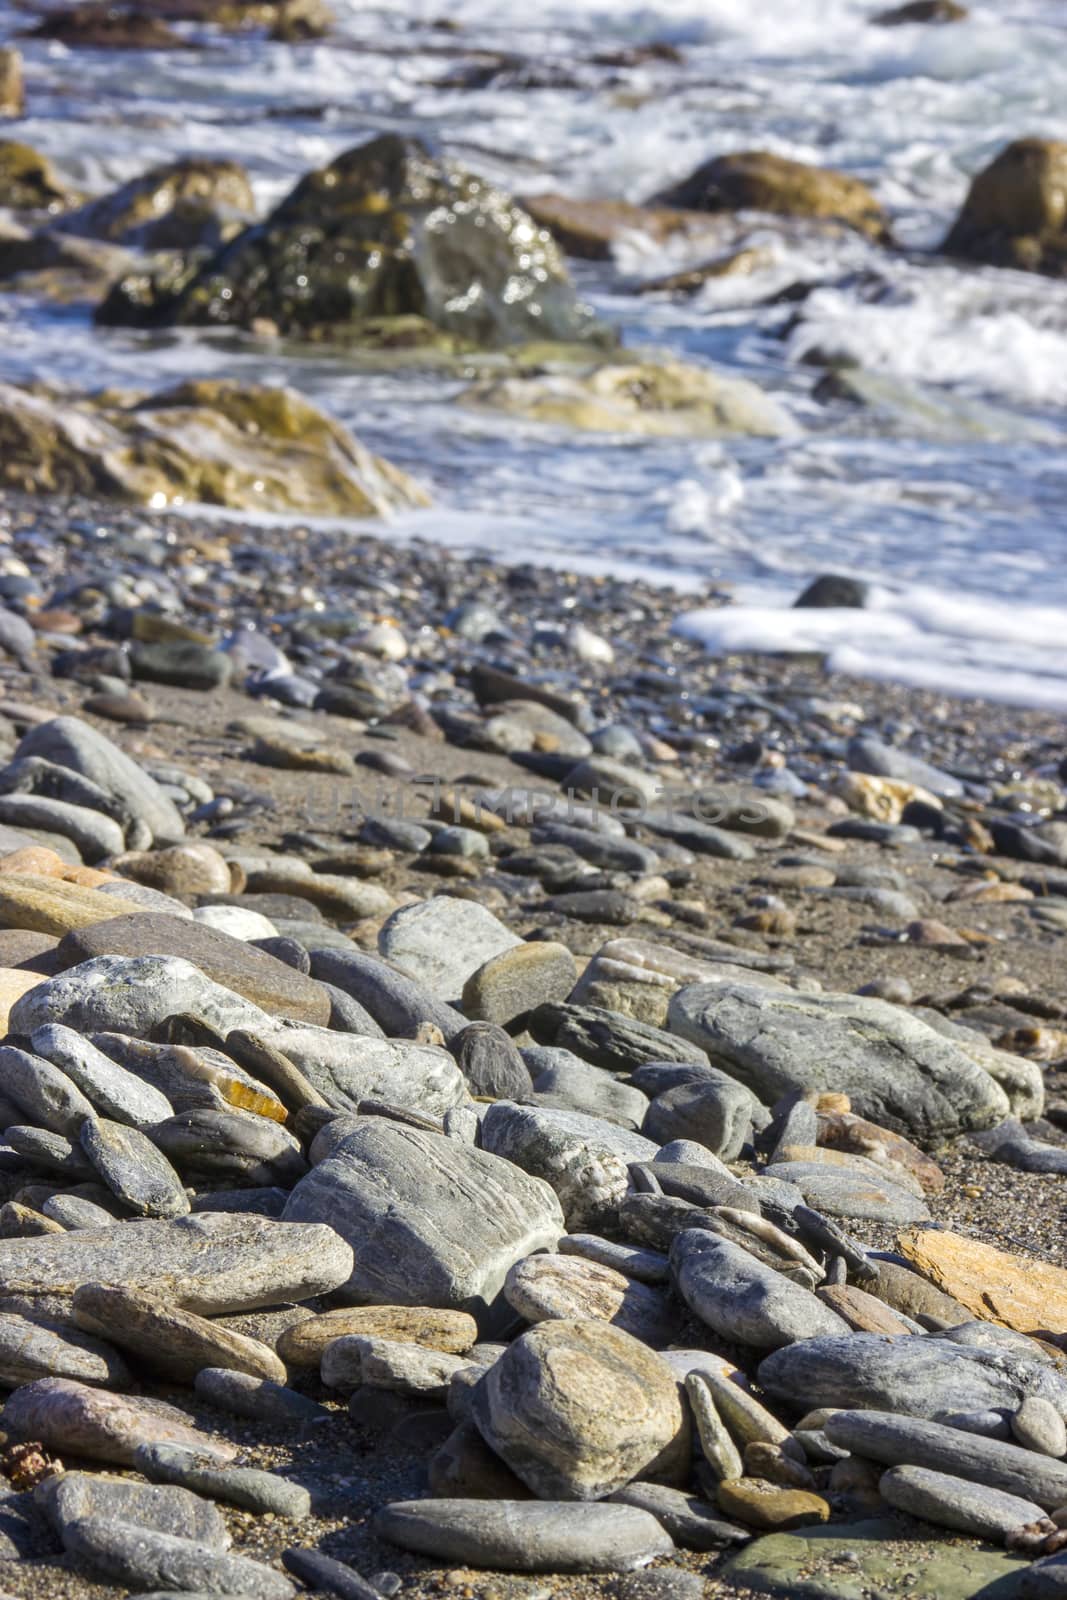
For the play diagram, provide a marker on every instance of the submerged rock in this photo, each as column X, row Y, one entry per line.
column 386, row 230
column 223, row 443
column 660, row 399
column 1015, row 213
column 757, row 180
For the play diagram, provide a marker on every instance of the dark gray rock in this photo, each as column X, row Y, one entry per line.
column 69, row 742
column 867, row 753
column 608, row 1038
column 715, row 1114
column 490, row 1062
column 956, row 1503
column 398, row 1004
column 248, row 1487
column 72, row 1496
column 134, row 1169
column 690, row 1521
column 126, row 1553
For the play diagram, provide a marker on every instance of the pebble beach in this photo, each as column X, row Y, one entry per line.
column 533, row 803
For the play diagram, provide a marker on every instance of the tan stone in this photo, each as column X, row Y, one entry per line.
column 12, row 98
column 175, row 1342
column 51, row 905
column 842, row 1131
column 451, row 1331
column 13, row 985
column 881, row 799
column 860, row 1310
column 1020, row 1292
column 591, row 228
column 759, row 1504
column 195, row 867
column 40, row 861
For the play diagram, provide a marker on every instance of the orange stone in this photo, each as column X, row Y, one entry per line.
column 1019, row 1292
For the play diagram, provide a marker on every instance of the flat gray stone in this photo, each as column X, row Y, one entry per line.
column 911, row 1442
column 114, row 1092
column 31, row 1348
column 93, row 834
column 135, row 1171
column 125, row 1553
column 73, row 1496
column 251, row 1488
column 644, row 1266
column 431, row 1221
column 263, row 1399
column 211, row 1263
column 913, row 1374
column 690, row 1521
column 525, row 1535
column 346, row 1068
column 897, row 1071
column 956, row 1503
column 855, row 1193
column 43, row 1094
column 584, row 1159
column 711, row 1111
column 442, row 942
column 410, row 1369
column 132, row 995
column 69, row 742
column 609, row 1039
column 743, row 1300
column 578, row 1409
column 568, row 1083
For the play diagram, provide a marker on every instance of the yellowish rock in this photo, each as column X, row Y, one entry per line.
column 51, row 905
column 436, row 1329
column 881, row 799
column 660, row 399
column 1017, row 1291
column 14, row 983
column 38, row 860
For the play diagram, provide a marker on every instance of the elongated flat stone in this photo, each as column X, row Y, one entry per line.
column 175, row 1342
column 69, row 1417
column 113, row 1091
column 568, row 1286
column 451, row 1331
column 44, row 1095
column 212, row 1263
column 526, row 1535
column 73, row 1496
column 248, row 1487
column 909, row 1442
column 135, row 1171
column 915, row 1375
column 956, row 1503
column 143, row 1559
column 31, row 1348
column 238, row 966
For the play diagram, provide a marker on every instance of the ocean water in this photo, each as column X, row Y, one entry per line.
column 950, row 493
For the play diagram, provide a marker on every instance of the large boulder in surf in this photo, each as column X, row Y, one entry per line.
column 1015, row 214
column 385, row 231
column 757, row 180
column 208, row 440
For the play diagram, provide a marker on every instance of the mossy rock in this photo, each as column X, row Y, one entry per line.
column 387, row 230
column 756, row 180
column 1015, row 214
column 661, row 399
column 28, row 180
column 106, row 27
column 181, row 205
column 921, row 11
column 210, row 441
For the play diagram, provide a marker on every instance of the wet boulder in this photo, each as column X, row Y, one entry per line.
column 28, row 181
column 921, row 11
column 99, row 25
column 757, row 180
column 211, row 441
column 1015, row 214
column 658, row 399
column 179, row 205
column 385, row 231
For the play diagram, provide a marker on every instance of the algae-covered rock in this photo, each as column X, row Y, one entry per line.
column 28, row 181
column 179, row 205
column 213, row 441
column 757, row 180
column 1015, row 214
column 657, row 398
column 386, row 230
column 103, row 26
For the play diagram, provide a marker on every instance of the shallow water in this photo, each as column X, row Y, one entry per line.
column 957, row 508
